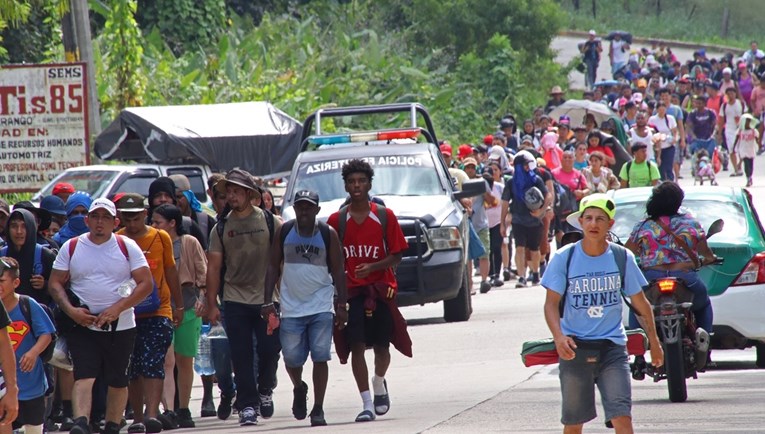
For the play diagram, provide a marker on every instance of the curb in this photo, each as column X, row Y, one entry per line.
column 672, row 43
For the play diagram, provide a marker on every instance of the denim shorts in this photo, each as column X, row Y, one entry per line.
column 608, row 368
column 153, row 338
column 302, row 334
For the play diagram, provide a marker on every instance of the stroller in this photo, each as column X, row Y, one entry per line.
column 702, row 168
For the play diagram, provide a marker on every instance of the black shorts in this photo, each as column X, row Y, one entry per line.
column 375, row 330
column 101, row 353
column 529, row 237
column 31, row 412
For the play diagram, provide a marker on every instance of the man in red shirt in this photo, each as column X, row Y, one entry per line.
column 373, row 244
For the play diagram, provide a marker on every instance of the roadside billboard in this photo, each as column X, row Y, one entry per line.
column 43, row 123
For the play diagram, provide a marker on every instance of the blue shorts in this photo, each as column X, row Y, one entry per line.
column 306, row 333
column 608, row 368
column 153, row 337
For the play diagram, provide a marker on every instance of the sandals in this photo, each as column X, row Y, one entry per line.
column 365, row 416
column 382, row 402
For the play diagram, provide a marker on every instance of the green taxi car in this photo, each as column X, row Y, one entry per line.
column 737, row 287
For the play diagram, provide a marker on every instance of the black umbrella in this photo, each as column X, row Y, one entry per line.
column 627, row 36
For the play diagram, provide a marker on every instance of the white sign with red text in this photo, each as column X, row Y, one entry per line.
column 43, row 123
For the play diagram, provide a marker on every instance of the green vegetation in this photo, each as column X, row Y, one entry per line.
column 699, row 21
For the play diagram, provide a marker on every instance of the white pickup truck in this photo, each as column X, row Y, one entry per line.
column 106, row 180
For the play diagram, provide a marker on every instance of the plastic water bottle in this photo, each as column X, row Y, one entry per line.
column 126, row 288
column 203, row 361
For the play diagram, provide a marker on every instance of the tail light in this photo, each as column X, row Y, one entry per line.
column 667, row 286
column 753, row 273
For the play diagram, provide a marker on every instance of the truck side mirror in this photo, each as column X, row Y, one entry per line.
column 472, row 188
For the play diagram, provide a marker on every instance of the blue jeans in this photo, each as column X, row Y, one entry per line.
column 609, row 369
column 702, row 306
column 666, row 167
column 592, row 71
column 221, row 355
column 254, row 353
column 708, row 144
column 301, row 335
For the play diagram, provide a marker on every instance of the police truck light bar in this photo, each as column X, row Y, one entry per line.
column 410, row 133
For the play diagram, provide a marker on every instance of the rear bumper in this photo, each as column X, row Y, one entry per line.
column 740, row 309
column 438, row 278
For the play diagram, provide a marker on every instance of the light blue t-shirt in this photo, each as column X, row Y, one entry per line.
column 306, row 287
column 593, row 305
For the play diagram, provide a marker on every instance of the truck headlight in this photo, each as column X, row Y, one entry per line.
column 445, row 238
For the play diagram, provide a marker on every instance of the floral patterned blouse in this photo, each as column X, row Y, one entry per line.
column 656, row 247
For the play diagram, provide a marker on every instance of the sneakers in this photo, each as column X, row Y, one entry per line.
column 153, row 425
column 382, row 402
column 248, row 417
column 521, row 282
column 267, row 405
column 506, row 275
column 224, row 408
column 485, row 287
column 67, row 423
column 169, row 420
column 111, row 428
column 208, row 408
column 136, row 427
column 184, row 418
column 534, row 278
column 299, row 401
column 497, row 282
column 80, row 426
column 317, row 417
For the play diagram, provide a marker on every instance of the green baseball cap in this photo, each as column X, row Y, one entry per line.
column 598, row 200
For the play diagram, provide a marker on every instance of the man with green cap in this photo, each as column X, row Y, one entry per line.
column 583, row 310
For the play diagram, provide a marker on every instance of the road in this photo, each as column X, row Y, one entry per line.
column 468, row 377
column 566, row 49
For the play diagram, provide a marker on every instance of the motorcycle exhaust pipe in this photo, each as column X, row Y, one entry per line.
column 702, row 348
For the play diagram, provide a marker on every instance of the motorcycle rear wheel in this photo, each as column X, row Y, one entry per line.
column 674, row 366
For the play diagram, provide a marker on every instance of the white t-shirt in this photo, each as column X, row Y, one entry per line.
column 97, row 270
column 620, row 55
column 635, row 138
column 664, row 126
column 731, row 112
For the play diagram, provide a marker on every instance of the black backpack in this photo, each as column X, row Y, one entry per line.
column 565, row 200
column 26, row 311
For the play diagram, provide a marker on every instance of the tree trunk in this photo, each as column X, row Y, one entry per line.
column 594, row 8
column 576, row 5
column 725, row 22
column 627, row 6
column 658, row 8
column 69, row 38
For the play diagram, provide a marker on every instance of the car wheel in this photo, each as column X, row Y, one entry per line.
column 760, row 363
column 460, row 307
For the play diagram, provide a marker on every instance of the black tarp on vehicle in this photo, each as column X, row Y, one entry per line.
column 255, row 136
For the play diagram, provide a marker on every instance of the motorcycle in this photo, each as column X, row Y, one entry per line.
column 685, row 345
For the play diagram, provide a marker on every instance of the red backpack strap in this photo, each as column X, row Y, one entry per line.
column 72, row 246
column 123, row 246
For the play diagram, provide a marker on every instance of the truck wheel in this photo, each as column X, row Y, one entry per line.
column 460, row 307
column 760, row 363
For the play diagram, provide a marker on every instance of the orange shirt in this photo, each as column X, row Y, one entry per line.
column 157, row 247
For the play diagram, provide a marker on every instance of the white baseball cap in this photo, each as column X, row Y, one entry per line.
column 103, row 203
column 592, row 33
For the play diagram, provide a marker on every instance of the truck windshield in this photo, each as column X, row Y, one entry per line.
column 395, row 175
column 94, row 182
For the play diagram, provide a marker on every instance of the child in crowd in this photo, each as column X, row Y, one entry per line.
column 30, row 331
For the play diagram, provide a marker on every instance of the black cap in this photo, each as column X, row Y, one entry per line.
column 307, row 196
column 638, row 146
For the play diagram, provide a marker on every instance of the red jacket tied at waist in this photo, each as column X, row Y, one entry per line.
column 379, row 292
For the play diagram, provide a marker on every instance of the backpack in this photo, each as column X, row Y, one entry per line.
column 565, row 200
column 620, row 256
column 37, row 265
column 650, row 178
column 26, row 311
column 323, row 229
column 382, row 215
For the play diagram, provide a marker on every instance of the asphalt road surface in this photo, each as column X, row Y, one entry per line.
column 566, row 49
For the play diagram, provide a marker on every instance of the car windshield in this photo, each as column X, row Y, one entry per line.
column 94, row 182
column 395, row 175
column 705, row 211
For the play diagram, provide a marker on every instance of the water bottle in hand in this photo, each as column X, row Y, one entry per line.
column 126, row 288
column 203, row 361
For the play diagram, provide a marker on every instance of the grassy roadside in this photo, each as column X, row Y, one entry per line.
column 703, row 26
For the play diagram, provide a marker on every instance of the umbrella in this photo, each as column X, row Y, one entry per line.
column 627, row 36
column 577, row 109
